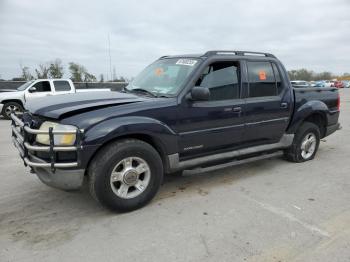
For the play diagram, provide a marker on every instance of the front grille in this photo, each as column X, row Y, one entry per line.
column 34, row 155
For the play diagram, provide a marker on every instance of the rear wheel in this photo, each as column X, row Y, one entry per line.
column 305, row 143
column 11, row 107
column 125, row 175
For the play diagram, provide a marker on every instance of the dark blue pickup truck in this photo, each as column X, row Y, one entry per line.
column 181, row 112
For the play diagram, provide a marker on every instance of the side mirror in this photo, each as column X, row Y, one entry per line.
column 32, row 89
column 199, row 93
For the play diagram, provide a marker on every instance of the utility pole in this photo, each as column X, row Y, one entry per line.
column 110, row 57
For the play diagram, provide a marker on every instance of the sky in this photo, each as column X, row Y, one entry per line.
column 312, row 34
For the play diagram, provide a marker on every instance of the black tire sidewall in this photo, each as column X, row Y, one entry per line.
column 305, row 129
column 107, row 161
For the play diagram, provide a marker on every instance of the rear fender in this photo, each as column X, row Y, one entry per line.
column 305, row 111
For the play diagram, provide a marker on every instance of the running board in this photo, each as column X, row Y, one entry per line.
column 175, row 164
column 235, row 162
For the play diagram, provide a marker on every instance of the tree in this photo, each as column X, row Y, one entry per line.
column 89, row 77
column 120, row 79
column 42, row 72
column 301, row 74
column 18, row 79
column 324, row 76
column 76, row 71
column 56, row 69
column 26, row 75
column 308, row 75
column 79, row 73
column 101, row 78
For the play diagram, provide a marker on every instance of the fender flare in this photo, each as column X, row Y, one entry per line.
column 15, row 100
column 131, row 126
column 306, row 110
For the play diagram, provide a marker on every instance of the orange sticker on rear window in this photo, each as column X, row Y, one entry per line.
column 262, row 75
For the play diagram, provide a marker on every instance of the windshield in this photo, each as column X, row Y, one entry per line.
column 164, row 77
column 24, row 86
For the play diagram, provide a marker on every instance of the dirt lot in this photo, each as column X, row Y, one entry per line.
column 271, row 210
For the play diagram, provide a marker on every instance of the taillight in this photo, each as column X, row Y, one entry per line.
column 338, row 102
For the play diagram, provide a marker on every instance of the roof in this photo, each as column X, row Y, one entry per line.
column 48, row 79
column 224, row 52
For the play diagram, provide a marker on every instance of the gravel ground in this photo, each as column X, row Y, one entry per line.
column 270, row 210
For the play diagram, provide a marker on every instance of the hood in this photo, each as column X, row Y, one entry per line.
column 7, row 90
column 11, row 95
column 61, row 106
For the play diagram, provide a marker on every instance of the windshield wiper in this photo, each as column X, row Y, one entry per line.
column 141, row 90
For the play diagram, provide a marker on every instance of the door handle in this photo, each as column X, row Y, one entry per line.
column 284, row 105
column 237, row 109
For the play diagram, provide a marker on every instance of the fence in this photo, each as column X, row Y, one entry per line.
column 114, row 86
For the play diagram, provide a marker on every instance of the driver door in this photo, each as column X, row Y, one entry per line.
column 205, row 126
column 42, row 89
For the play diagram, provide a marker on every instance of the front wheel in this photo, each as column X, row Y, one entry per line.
column 11, row 107
column 125, row 175
column 305, row 143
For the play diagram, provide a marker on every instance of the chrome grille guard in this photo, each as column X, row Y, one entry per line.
column 20, row 133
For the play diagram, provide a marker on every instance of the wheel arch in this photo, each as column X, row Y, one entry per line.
column 149, row 130
column 313, row 111
column 152, row 140
column 319, row 119
column 13, row 101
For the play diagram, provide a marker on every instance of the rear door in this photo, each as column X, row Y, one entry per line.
column 267, row 104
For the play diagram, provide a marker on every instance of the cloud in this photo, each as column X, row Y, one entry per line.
column 313, row 34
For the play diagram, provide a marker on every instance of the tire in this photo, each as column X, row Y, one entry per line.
column 307, row 131
column 127, row 189
column 11, row 107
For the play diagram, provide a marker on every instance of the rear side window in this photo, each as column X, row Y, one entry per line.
column 222, row 80
column 42, row 86
column 62, row 86
column 262, row 80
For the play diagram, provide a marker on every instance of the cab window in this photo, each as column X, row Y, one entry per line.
column 222, row 79
column 262, row 80
column 61, row 85
column 42, row 86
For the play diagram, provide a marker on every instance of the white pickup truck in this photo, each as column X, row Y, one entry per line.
column 14, row 100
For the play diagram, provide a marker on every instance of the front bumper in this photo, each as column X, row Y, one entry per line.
column 59, row 174
column 66, row 179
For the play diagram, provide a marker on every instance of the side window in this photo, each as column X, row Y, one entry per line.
column 261, row 79
column 62, row 86
column 278, row 79
column 43, row 86
column 222, row 80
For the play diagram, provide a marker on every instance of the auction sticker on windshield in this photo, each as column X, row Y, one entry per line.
column 188, row 62
column 159, row 71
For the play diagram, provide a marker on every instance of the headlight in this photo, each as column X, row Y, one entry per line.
column 59, row 139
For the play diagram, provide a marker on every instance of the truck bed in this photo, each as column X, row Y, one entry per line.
column 307, row 104
column 327, row 95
